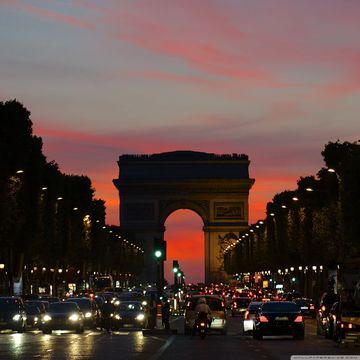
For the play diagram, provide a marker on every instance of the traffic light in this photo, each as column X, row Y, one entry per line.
column 175, row 267
column 160, row 249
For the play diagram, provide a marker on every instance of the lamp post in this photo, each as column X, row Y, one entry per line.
column 175, row 270
column 160, row 256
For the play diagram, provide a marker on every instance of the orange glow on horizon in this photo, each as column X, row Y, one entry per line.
column 185, row 243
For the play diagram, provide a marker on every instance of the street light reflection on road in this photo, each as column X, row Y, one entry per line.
column 139, row 342
column 16, row 342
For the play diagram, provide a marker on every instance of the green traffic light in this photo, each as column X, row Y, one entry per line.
column 175, row 270
column 158, row 253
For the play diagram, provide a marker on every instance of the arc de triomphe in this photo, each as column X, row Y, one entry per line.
column 216, row 187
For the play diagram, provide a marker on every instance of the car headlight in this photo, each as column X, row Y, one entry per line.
column 117, row 317
column 116, row 302
column 47, row 317
column 36, row 319
column 74, row 317
column 144, row 303
column 16, row 317
column 88, row 314
column 140, row 317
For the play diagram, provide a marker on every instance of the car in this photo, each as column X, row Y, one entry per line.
column 130, row 314
column 307, row 307
column 12, row 314
column 279, row 318
column 239, row 305
column 33, row 316
column 218, row 312
column 90, row 310
column 249, row 316
column 63, row 316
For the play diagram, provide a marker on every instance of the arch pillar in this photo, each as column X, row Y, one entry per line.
column 216, row 239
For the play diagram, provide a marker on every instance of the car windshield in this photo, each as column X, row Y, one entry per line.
column 83, row 303
column 130, row 306
column 255, row 306
column 280, row 307
column 63, row 307
column 32, row 310
column 214, row 304
column 302, row 302
column 242, row 302
column 5, row 306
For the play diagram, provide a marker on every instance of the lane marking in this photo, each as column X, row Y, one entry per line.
column 163, row 348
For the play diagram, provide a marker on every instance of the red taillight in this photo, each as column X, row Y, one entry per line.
column 247, row 315
column 202, row 324
column 299, row 318
column 323, row 308
column 263, row 319
column 234, row 305
column 312, row 307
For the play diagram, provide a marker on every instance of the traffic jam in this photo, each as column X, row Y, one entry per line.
column 200, row 310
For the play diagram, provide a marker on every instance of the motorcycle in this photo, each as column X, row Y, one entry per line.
column 106, row 322
column 202, row 324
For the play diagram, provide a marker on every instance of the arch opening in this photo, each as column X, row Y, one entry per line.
column 185, row 243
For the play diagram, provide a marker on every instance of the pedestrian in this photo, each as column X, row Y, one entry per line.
column 152, row 312
column 165, row 313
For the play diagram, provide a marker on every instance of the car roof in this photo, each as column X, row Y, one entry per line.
column 206, row 297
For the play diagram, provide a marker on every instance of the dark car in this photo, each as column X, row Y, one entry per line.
column 63, row 316
column 279, row 318
column 307, row 307
column 239, row 305
column 89, row 309
column 130, row 314
column 12, row 315
column 33, row 315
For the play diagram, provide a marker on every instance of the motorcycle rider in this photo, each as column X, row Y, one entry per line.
column 107, row 311
column 202, row 309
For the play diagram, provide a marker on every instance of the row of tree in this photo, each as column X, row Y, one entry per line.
column 318, row 224
column 50, row 220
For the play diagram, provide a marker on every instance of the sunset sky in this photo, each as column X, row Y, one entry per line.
column 274, row 79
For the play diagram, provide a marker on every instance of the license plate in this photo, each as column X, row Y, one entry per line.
column 281, row 318
column 304, row 308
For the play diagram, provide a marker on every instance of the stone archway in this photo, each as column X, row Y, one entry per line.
column 216, row 187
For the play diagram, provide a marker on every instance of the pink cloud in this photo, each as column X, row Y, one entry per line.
column 51, row 15
column 235, row 43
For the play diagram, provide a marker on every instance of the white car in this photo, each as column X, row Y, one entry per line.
column 253, row 308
